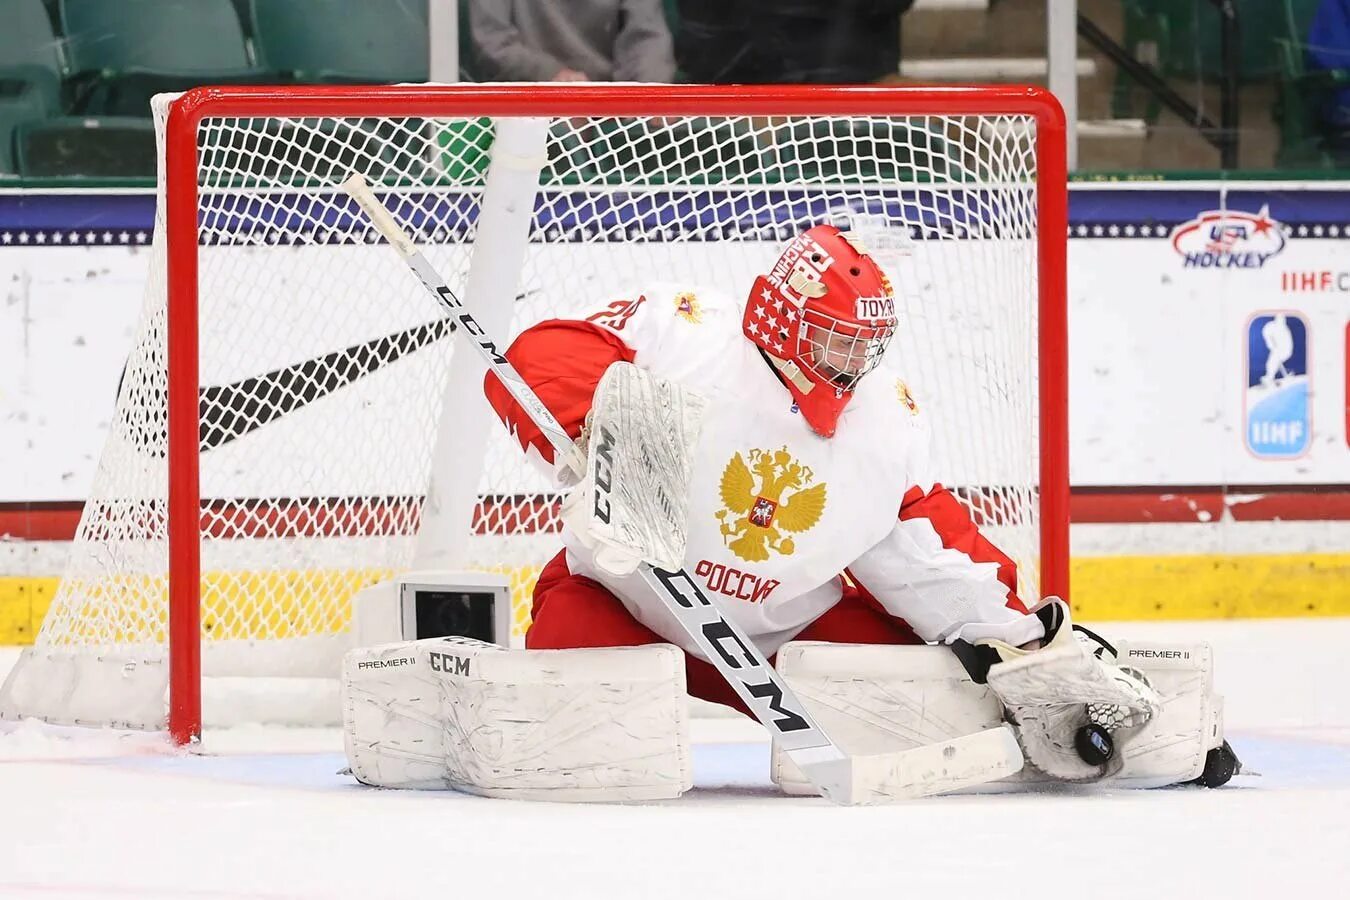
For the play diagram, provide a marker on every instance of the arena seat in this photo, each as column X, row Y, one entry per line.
column 348, row 41
column 95, row 147
column 123, row 53
column 19, row 103
column 29, row 48
column 1184, row 42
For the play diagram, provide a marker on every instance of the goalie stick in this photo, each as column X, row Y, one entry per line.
column 930, row 769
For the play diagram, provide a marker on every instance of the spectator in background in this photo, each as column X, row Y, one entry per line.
column 577, row 40
column 714, row 43
column 790, row 41
column 1329, row 48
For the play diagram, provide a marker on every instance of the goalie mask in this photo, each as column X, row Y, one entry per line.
column 824, row 316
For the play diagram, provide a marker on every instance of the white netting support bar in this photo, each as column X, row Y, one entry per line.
column 495, row 265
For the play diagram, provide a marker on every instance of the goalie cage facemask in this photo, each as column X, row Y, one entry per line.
column 824, row 315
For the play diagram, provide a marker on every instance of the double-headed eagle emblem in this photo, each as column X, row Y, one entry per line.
column 754, row 521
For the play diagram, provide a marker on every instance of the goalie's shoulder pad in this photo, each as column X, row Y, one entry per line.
column 591, row 724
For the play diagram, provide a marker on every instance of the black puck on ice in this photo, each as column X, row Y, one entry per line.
column 1094, row 744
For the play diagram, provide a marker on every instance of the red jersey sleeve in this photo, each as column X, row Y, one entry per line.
column 562, row 360
column 951, row 522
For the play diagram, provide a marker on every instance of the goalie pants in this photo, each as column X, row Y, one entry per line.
column 572, row 611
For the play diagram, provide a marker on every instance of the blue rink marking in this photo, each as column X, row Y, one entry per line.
column 743, row 765
column 1281, row 762
column 1291, row 762
column 293, row 770
column 731, row 765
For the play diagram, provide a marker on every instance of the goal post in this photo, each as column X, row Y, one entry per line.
column 277, row 433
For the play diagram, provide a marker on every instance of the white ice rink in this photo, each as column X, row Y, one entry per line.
column 264, row 814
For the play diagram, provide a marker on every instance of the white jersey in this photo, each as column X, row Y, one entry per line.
column 777, row 514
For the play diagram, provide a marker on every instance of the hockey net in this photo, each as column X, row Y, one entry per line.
column 331, row 398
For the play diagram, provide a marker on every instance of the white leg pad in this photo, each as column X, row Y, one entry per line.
column 879, row 698
column 569, row 725
column 1172, row 747
column 873, row 698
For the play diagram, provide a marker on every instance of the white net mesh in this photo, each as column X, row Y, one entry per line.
column 323, row 362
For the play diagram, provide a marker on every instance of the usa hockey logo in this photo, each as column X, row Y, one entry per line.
column 1228, row 239
column 1278, row 419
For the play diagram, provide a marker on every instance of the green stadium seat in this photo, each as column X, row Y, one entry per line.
column 182, row 36
column 29, row 48
column 20, row 102
column 125, row 52
column 354, row 41
column 1183, row 41
column 244, row 9
column 30, row 72
column 95, row 147
column 28, row 37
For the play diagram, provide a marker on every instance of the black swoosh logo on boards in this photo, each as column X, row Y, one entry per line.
column 230, row 411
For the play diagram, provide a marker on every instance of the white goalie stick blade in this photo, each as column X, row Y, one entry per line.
column 720, row 640
column 936, row 768
column 939, row 768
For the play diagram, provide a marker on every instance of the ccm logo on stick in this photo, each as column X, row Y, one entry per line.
column 470, row 325
column 722, row 638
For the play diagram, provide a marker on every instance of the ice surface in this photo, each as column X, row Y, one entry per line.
column 263, row 813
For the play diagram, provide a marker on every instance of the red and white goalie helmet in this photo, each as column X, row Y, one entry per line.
column 824, row 315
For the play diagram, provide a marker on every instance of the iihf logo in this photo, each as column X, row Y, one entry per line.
column 1228, row 239
column 1277, row 421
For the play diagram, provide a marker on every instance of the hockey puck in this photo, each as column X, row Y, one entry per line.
column 1094, row 745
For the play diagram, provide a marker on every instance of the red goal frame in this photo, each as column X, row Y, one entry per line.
column 181, row 222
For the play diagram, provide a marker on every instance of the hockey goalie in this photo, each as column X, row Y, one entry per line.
column 791, row 483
